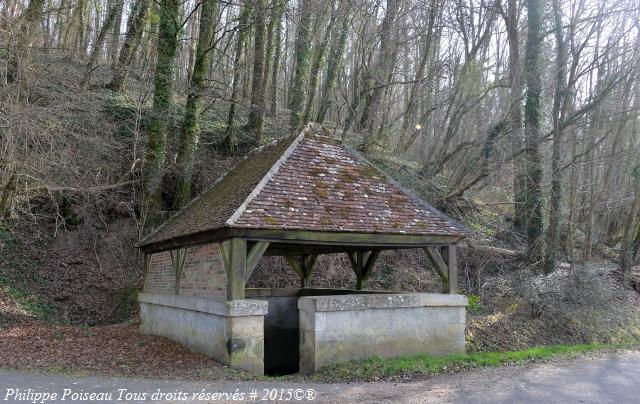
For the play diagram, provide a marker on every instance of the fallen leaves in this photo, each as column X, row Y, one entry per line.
column 114, row 350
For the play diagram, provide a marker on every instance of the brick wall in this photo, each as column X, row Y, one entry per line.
column 203, row 273
column 160, row 278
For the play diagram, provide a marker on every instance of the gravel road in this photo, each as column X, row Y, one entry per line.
column 603, row 378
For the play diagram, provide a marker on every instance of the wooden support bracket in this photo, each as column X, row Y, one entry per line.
column 304, row 266
column 240, row 263
column 444, row 263
column 177, row 262
column 362, row 263
column 253, row 257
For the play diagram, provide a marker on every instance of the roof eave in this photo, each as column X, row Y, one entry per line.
column 346, row 238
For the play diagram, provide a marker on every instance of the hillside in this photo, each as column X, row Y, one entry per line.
column 67, row 250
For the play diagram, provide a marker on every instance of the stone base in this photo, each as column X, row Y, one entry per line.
column 341, row 328
column 230, row 332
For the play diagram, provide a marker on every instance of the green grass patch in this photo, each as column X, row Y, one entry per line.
column 128, row 303
column 380, row 369
column 474, row 303
column 31, row 304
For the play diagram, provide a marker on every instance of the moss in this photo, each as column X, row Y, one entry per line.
column 345, row 211
column 271, row 220
column 316, row 171
column 320, row 190
column 127, row 304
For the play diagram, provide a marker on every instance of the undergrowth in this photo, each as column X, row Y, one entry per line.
column 14, row 283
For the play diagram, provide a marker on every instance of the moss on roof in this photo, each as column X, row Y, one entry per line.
column 309, row 182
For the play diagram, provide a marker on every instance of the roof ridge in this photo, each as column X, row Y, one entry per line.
column 250, row 153
column 272, row 171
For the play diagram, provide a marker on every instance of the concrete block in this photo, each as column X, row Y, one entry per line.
column 230, row 332
column 340, row 328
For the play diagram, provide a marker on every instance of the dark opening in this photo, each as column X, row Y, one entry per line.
column 282, row 336
column 282, row 325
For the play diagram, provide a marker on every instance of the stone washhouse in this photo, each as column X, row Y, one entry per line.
column 299, row 197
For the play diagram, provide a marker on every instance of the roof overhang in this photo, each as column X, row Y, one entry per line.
column 351, row 240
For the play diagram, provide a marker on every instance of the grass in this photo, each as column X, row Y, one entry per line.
column 382, row 369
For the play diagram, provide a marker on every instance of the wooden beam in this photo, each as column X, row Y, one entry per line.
column 361, row 240
column 256, row 252
column 369, row 263
column 362, row 263
column 309, row 264
column 236, row 269
column 177, row 262
column 439, row 265
column 304, row 266
column 145, row 269
column 449, row 256
column 225, row 248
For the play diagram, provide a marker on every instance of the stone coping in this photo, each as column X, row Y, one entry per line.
column 252, row 293
column 233, row 308
column 379, row 301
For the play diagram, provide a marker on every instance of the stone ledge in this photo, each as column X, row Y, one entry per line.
column 234, row 308
column 383, row 301
column 252, row 293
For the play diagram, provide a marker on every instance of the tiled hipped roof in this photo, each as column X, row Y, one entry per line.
column 310, row 182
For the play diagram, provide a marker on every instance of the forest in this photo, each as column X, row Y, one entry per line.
column 519, row 118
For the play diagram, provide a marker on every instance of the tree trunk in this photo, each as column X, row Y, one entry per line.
column 256, row 115
column 115, row 7
column 555, row 199
column 381, row 72
column 268, row 53
column 114, row 44
column 243, row 27
column 135, row 26
column 533, row 76
column 190, row 129
column 334, row 62
column 18, row 58
column 411, row 109
column 515, row 116
column 159, row 118
column 278, row 10
column 627, row 253
column 318, row 57
column 301, row 72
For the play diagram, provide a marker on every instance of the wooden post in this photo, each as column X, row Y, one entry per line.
column 177, row 261
column 449, row 256
column 145, row 270
column 303, row 267
column 237, row 257
column 362, row 264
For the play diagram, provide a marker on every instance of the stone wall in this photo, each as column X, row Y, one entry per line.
column 282, row 326
column 230, row 332
column 202, row 275
column 340, row 328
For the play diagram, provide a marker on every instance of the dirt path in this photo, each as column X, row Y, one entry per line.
column 606, row 378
